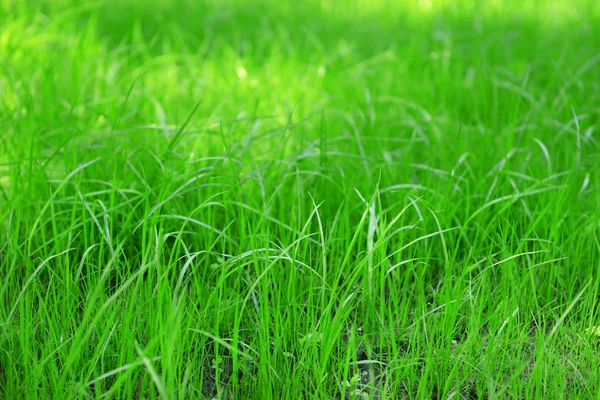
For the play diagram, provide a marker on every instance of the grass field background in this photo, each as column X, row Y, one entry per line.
column 316, row 199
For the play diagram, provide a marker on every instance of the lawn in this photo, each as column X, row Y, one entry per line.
column 316, row 199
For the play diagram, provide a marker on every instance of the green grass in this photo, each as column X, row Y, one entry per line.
column 315, row 199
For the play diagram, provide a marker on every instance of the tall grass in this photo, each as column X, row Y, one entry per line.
column 330, row 199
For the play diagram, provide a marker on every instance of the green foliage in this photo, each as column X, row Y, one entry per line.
column 317, row 199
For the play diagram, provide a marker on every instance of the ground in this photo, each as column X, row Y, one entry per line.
column 321, row 199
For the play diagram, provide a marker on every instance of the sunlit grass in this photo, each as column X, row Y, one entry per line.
column 324, row 199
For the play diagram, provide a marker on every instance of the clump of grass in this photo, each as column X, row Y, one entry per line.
column 337, row 199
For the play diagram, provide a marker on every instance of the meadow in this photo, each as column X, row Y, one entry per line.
column 320, row 199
